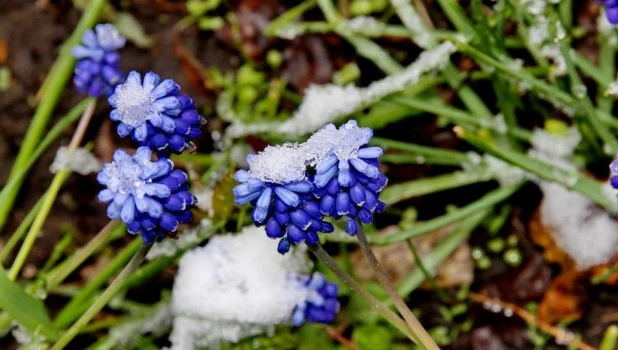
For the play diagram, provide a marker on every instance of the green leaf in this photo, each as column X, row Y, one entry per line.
column 313, row 337
column 25, row 309
column 372, row 338
column 128, row 26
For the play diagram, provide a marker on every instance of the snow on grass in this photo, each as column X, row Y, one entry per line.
column 186, row 239
column 325, row 104
column 582, row 229
column 236, row 286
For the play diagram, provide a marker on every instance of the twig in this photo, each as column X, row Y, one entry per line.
column 561, row 335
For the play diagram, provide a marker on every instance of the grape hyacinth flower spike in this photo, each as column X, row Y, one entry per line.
column 151, row 197
column 97, row 70
column 277, row 186
column 321, row 304
column 347, row 180
column 611, row 10
column 155, row 114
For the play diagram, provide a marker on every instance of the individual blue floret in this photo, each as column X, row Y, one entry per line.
column 97, row 70
column 155, row 114
column 321, row 305
column 611, row 10
column 277, row 187
column 348, row 180
column 151, row 197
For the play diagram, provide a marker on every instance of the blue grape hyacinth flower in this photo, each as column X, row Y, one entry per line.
column 151, row 197
column 321, row 305
column 277, row 186
column 347, row 180
column 611, row 10
column 155, row 114
column 97, row 71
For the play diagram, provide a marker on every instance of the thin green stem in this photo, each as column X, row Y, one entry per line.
column 570, row 179
column 356, row 287
column 13, row 183
column 443, row 250
column 415, row 326
column 79, row 303
column 54, row 86
column 57, row 275
column 19, row 233
column 428, row 226
column 50, row 196
column 107, row 295
column 387, row 144
column 419, row 187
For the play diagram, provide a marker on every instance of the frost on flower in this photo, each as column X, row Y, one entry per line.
column 236, row 286
column 278, row 164
column 568, row 214
column 155, row 114
column 323, row 104
column 149, row 196
column 80, row 160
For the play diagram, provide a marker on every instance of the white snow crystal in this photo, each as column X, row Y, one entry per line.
column 343, row 142
column 363, row 25
column 587, row 233
column 582, row 229
column 324, row 104
column 278, row 164
column 80, row 161
column 236, row 286
column 413, row 22
column 553, row 53
column 612, row 89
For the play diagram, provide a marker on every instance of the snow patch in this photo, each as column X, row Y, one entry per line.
column 236, row 286
column 80, row 161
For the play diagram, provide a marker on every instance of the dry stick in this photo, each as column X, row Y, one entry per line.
column 375, row 304
column 559, row 334
column 417, row 328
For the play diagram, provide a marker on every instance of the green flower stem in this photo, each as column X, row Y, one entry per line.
column 62, row 271
column 607, row 65
column 457, row 16
column 7, row 195
column 50, row 196
column 19, row 233
column 417, row 328
column 356, row 287
column 442, row 251
column 455, row 156
column 417, row 159
column 54, row 86
column 566, row 13
column 487, row 201
column 610, row 146
column 550, row 92
column 102, row 300
column 79, row 303
column 589, row 69
column 459, row 117
column 419, row 187
column 288, row 17
column 570, row 179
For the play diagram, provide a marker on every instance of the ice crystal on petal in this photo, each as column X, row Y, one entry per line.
column 278, row 164
column 134, row 103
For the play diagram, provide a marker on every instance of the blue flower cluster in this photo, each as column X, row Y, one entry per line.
column 98, row 63
column 611, row 10
column 151, row 197
column 294, row 187
column 348, row 181
column 321, row 304
column 155, row 113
